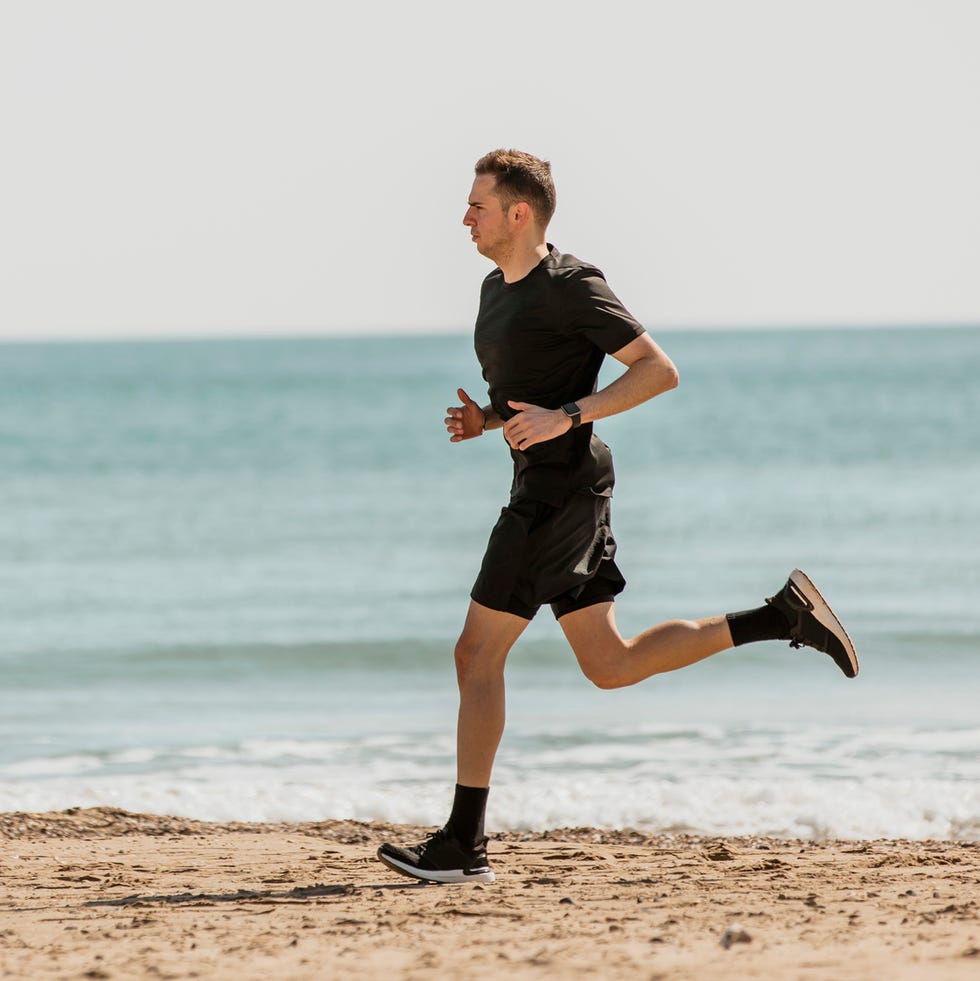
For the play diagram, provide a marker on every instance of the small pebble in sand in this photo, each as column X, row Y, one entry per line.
column 735, row 934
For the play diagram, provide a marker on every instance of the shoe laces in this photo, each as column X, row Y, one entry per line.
column 444, row 834
column 433, row 838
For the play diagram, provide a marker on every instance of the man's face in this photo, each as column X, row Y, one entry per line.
column 487, row 220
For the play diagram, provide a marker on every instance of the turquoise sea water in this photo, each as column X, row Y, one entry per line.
column 231, row 575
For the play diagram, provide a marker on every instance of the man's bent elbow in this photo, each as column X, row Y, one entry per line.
column 667, row 376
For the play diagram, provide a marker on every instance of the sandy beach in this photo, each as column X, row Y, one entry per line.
column 102, row 893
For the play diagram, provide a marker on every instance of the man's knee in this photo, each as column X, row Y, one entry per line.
column 465, row 656
column 603, row 672
column 475, row 661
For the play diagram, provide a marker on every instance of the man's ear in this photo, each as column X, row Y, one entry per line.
column 520, row 212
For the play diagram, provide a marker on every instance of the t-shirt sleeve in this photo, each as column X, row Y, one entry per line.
column 591, row 310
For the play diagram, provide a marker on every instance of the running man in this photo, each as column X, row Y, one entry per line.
column 546, row 321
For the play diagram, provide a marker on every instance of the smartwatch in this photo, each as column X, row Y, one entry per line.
column 574, row 413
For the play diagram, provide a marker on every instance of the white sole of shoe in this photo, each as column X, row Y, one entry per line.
column 822, row 611
column 448, row 876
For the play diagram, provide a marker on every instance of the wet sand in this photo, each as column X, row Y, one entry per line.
column 101, row 893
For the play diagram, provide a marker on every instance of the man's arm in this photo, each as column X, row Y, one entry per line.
column 468, row 420
column 649, row 372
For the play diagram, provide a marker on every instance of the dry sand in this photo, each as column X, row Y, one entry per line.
column 103, row 893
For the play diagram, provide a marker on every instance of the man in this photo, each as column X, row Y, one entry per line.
column 545, row 322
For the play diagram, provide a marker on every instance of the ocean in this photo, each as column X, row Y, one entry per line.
column 232, row 573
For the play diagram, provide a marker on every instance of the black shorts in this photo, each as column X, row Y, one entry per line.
column 541, row 554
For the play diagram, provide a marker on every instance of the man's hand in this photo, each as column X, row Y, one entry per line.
column 464, row 421
column 532, row 424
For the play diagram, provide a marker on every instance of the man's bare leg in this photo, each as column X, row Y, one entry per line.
column 611, row 661
column 481, row 653
column 797, row 613
column 457, row 853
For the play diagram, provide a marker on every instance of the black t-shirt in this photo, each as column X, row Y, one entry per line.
column 541, row 340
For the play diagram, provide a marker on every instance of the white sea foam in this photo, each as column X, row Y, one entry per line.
column 51, row 766
column 789, row 808
column 809, row 783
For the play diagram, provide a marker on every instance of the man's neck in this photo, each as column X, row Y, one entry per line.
column 517, row 265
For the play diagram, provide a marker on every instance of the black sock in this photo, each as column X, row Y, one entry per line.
column 765, row 623
column 469, row 810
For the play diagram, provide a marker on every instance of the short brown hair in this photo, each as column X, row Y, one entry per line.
column 521, row 177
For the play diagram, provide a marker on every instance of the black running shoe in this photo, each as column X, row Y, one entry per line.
column 440, row 858
column 812, row 623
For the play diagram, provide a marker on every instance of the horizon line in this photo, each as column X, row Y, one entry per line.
column 387, row 332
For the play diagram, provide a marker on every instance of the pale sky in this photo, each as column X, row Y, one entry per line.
column 225, row 167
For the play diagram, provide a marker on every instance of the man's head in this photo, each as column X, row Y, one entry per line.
column 521, row 177
column 512, row 201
